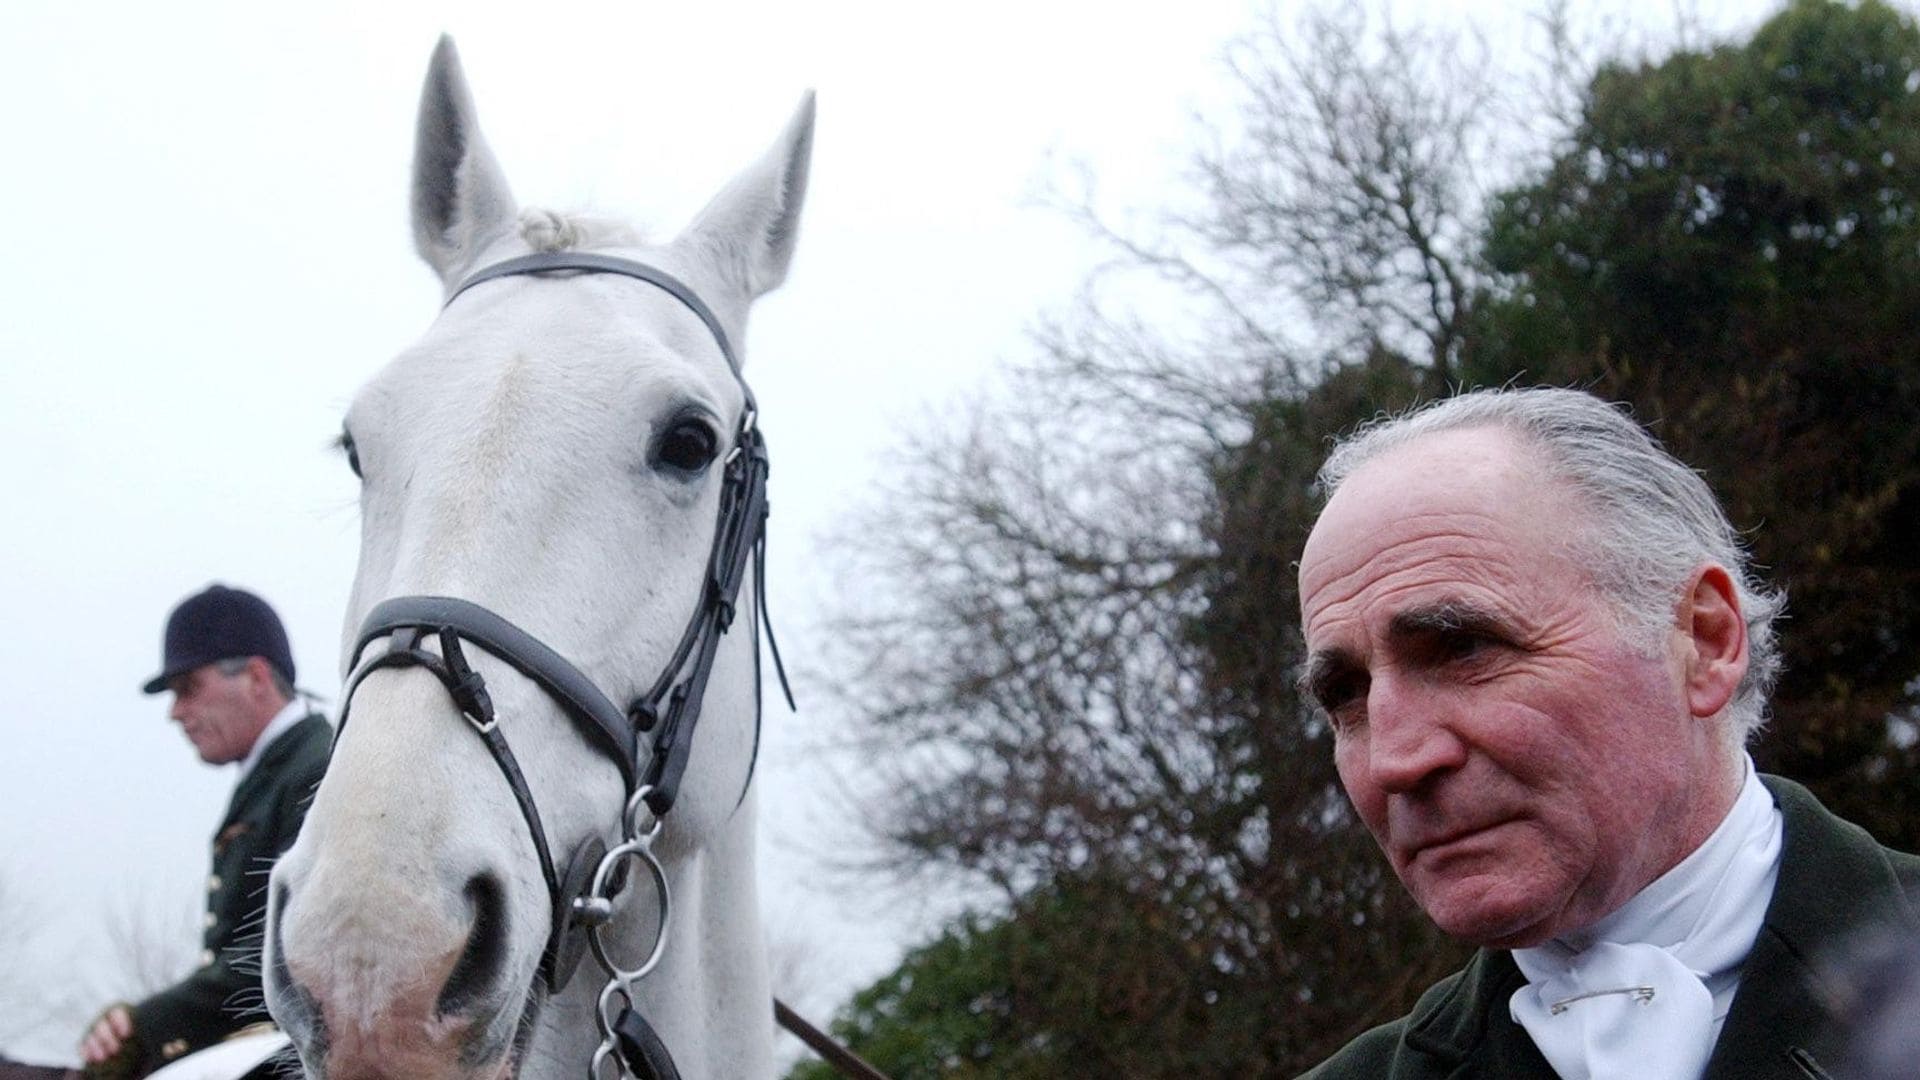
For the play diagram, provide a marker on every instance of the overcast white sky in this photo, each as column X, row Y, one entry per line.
column 208, row 251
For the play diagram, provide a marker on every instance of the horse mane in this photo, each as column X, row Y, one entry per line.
column 550, row 230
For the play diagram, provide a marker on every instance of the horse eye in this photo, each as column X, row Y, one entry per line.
column 689, row 445
column 345, row 443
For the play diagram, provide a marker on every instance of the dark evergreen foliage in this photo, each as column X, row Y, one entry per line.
column 1076, row 674
column 1730, row 241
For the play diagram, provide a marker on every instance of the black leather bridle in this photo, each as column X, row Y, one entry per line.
column 669, row 710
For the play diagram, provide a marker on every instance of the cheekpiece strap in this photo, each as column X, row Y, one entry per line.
column 675, row 702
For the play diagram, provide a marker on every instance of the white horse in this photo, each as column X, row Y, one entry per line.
column 553, row 449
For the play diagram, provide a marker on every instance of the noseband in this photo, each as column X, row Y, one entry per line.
column 669, row 711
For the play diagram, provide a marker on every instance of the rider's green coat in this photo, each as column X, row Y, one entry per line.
column 1835, row 882
column 222, row 994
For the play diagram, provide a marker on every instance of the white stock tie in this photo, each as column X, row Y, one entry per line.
column 1642, row 994
column 1618, row 1011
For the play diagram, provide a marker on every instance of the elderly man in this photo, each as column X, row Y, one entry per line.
column 228, row 664
column 1542, row 651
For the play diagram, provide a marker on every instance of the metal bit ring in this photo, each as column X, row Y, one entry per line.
column 603, row 1056
column 639, row 849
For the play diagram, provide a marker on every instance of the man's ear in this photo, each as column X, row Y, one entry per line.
column 260, row 675
column 1714, row 631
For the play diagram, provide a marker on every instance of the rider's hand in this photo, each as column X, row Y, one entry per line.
column 109, row 1034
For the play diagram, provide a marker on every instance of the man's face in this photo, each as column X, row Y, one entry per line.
column 1523, row 765
column 220, row 714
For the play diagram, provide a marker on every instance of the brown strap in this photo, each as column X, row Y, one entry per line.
column 849, row 1064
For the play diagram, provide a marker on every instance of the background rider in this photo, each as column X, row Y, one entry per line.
column 228, row 664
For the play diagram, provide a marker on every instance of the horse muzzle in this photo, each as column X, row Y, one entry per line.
column 447, row 1011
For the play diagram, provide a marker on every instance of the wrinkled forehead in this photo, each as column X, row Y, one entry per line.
column 1459, row 506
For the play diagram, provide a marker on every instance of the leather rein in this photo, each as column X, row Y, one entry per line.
column 651, row 769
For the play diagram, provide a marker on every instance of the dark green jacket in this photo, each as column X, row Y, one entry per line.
column 223, row 995
column 1835, row 881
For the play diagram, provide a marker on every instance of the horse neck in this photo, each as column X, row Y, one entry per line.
column 711, row 997
column 713, row 984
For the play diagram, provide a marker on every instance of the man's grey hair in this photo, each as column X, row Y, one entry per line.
column 234, row 665
column 1655, row 521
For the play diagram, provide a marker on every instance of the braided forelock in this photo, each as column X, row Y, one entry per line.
column 548, row 231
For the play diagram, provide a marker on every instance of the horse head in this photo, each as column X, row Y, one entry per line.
column 555, row 453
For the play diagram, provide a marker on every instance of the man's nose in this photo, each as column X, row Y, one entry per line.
column 175, row 711
column 1410, row 736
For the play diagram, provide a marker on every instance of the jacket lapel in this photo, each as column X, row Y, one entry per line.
column 1469, row 1032
column 261, row 778
column 1835, row 881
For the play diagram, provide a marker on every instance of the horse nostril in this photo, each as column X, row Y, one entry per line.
column 482, row 962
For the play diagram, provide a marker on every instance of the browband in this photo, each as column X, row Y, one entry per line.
column 542, row 261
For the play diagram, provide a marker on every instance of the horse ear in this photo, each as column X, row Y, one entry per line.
column 461, row 202
column 754, row 221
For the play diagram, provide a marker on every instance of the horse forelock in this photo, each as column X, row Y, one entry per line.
column 548, row 231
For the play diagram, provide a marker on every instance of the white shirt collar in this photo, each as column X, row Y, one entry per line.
column 1704, row 913
column 290, row 714
column 1720, row 889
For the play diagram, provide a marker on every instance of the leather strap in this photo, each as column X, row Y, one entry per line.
column 842, row 1058
column 641, row 1050
column 545, row 261
column 676, row 699
column 600, row 719
column 469, row 693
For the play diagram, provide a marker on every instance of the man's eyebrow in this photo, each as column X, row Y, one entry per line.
column 1322, row 666
column 1440, row 617
column 1446, row 616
